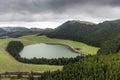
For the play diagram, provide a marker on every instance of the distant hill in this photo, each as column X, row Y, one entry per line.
column 93, row 34
column 36, row 29
column 13, row 29
column 21, row 31
column 2, row 30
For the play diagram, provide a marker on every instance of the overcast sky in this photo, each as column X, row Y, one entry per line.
column 52, row 13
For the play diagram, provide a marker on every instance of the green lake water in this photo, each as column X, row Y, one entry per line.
column 47, row 51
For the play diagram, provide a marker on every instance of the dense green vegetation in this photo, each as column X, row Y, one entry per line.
column 55, row 61
column 14, row 48
column 102, row 67
column 94, row 34
column 110, row 46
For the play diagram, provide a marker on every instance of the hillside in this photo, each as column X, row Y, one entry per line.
column 95, row 34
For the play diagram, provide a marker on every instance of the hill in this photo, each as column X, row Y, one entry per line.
column 92, row 34
column 13, row 29
column 15, row 32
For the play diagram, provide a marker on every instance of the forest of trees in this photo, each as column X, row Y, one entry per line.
column 102, row 67
column 54, row 61
column 110, row 46
column 14, row 47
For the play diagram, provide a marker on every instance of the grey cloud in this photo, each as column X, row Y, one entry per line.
column 44, row 10
column 34, row 6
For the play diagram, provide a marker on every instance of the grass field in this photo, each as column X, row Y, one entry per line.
column 8, row 63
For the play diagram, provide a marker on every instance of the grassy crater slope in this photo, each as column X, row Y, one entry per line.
column 8, row 63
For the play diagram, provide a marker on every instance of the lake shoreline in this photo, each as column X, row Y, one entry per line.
column 70, row 47
column 53, row 61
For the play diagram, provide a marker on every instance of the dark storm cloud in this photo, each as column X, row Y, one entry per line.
column 44, row 10
column 62, row 5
